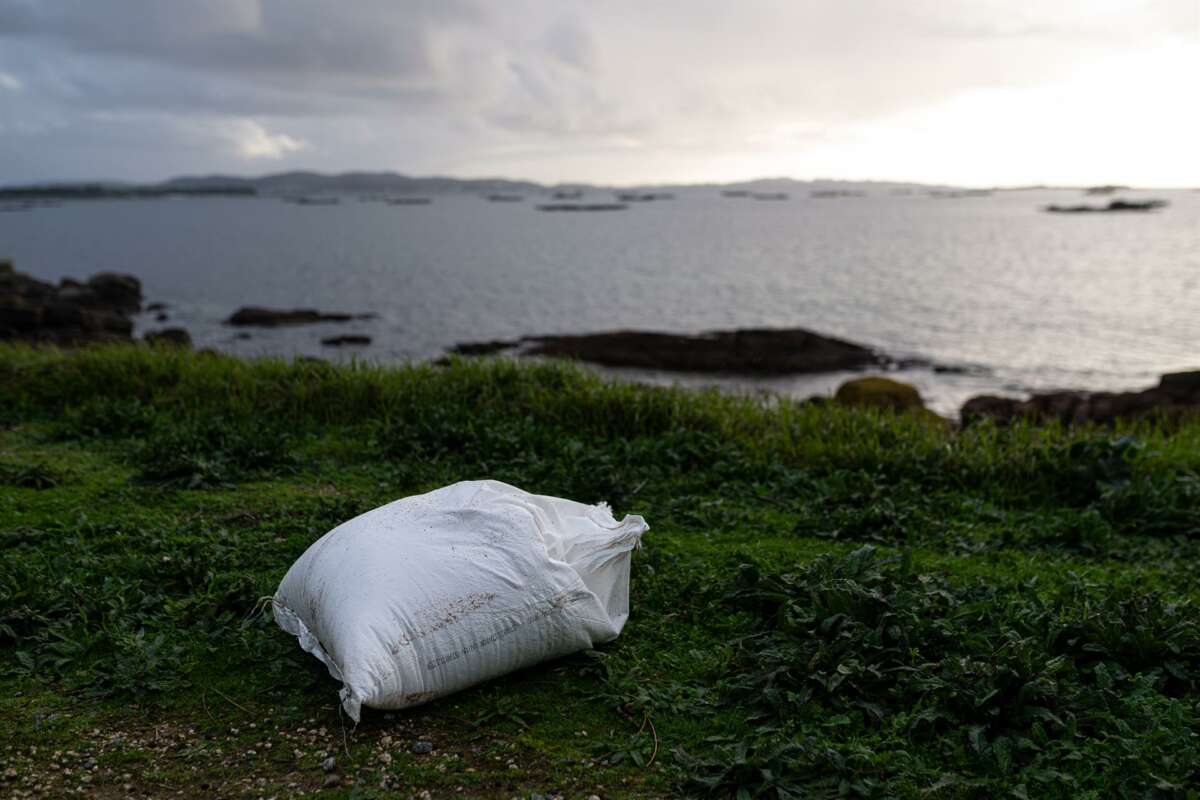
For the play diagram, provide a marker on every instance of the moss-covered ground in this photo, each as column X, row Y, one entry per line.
column 830, row 603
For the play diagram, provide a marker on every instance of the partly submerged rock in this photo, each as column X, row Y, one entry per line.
column 583, row 207
column 1177, row 394
column 483, row 348
column 273, row 317
column 762, row 351
column 346, row 339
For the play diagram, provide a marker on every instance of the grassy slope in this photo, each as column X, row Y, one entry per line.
column 1019, row 624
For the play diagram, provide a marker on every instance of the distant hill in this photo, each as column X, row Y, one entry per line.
column 393, row 183
column 800, row 187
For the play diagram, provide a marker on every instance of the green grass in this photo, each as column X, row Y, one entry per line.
column 830, row 602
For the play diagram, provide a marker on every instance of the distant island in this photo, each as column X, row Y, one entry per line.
column 375, row 184
column 308, row 187
column 103, row 191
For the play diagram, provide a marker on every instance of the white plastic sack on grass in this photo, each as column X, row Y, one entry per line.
column 433, row 593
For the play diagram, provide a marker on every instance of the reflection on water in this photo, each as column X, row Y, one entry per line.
column 1039, row 300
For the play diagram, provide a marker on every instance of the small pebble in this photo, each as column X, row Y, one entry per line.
column 329, row 764
column 421, row 748
column 331, row 781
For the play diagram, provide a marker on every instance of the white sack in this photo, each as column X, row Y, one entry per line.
column 434, row 593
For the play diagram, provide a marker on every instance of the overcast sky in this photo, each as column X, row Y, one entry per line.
column 973, row 92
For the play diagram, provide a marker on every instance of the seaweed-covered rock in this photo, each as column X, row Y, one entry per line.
column 877, row 392
column 174, row 337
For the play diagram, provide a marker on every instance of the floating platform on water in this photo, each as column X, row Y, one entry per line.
column 312, row 201
column 583, row 207
column 1116, row 206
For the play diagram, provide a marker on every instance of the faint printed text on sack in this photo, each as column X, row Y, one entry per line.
column 552, row 606
column 442, row 616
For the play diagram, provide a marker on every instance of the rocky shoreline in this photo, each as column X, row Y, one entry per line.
column 1177, row 394
column 782, row 351
column 70, row 313
column 101, row 310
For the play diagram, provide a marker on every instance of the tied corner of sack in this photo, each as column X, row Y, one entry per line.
column 351, row 703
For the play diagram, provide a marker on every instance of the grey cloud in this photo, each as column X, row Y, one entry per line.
column 256, row 37
column 571, row 43
column 424, row 84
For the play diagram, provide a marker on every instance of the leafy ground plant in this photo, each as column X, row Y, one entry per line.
column 829, row 604
column 1075, row 689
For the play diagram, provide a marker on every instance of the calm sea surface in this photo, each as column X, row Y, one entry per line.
column 1029, row 300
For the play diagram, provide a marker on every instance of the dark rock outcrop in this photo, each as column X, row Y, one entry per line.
column 1176, row 395
column 175, row 337
column 274, row 317
column 483, row 348
column 116, row 291
column 1001, row 410
column 346, row 339
column 70, row 313
column 761, row 351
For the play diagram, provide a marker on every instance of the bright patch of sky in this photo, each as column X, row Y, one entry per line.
column 974, row 92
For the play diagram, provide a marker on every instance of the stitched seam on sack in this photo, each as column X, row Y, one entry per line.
column 324, row 655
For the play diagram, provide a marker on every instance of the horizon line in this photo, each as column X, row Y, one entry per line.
column 571, row 183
